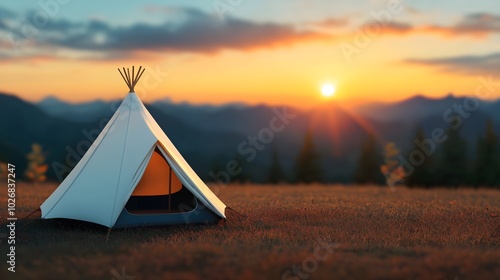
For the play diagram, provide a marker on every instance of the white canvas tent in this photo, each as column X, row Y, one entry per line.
column 133, row 165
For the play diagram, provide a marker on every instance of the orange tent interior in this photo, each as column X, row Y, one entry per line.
column 158, row 178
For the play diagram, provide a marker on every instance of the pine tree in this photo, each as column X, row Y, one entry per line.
column 37, row 168
column 453, row 168
column 488, row 166
column 369, row 162
column 307, row 169
column 276, row 174
column 422, row 174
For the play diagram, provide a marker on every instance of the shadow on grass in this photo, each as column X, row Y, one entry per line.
column 53, row 232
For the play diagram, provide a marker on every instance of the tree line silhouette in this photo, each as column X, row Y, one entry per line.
column 449, row 165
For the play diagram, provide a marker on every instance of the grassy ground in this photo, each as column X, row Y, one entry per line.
column 321, row 232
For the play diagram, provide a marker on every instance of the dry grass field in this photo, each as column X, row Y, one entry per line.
column 320, row 232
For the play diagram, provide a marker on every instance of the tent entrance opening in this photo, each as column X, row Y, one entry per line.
column 160, row 190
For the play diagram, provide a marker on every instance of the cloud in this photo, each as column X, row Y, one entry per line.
column 3, row 25
column 467, row 64
column 481, row 22
column 196, row 31
column 331, row 22
column 478, row 25
column 61, row 26
column 397, row 28
column 412, row 11
column 7, row 14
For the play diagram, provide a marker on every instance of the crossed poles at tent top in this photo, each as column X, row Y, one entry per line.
column 131, row 81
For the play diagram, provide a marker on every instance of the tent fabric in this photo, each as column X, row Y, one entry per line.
column 157, row 177
column 100, row 185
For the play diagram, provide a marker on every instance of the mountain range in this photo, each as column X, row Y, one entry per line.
column 209, row 136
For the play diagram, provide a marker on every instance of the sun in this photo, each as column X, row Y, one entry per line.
column 328, row 90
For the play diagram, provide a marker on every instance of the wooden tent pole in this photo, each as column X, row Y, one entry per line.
column 131, row 79
column 139, row 74
column 122, row 76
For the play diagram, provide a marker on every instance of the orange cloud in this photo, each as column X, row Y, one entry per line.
column 331, row 22
column 475, row 25
column 197, row 33
column 467, row 64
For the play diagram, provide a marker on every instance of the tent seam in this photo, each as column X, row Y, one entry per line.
column 78, row 175
column 121, row 163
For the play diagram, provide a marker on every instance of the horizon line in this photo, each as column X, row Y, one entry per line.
column 168, row 100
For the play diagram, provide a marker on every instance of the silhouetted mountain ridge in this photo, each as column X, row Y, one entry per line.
column 209, row 136
column 419, row 107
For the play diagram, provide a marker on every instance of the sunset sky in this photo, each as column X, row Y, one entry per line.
column 275, row 52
